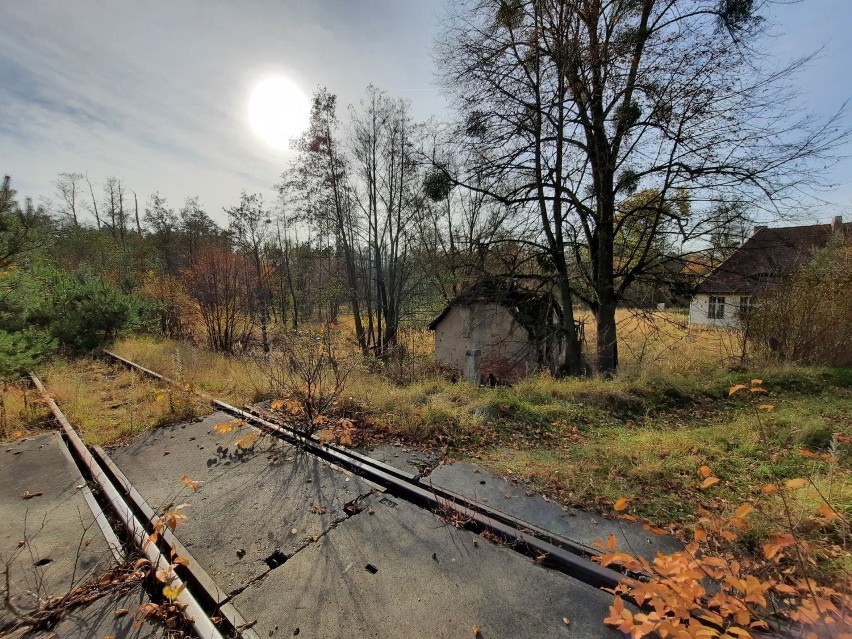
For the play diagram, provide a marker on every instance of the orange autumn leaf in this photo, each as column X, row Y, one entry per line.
column 191, row 483
column 769, row 489
column 249, row 440
column 794, row 484
column 727, row 534
column 766, row 407
column 705, row 471
column 756, row 382
column 225, row 427
column 743, row 511
column 736, row 389
column 710, row 481
column 827, row 511
column 621, row 504
column 700, row 534
column 771, row 548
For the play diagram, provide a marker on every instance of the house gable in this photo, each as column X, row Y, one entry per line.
column 768, row 258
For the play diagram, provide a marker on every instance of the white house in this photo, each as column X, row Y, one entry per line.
column 768, row 258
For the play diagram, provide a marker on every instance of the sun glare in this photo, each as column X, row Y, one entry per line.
column 278, row 112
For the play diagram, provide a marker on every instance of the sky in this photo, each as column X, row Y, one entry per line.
column 156, row 93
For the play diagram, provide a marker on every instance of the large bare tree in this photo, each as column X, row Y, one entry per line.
column 572, row 106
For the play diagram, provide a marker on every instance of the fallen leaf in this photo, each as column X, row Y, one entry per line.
column 705, row 471
column 794, row 484
column 756, row 382
column 743, row 511
column 164, row 575
column 249, row 440
column 710, row 481
column 191, row 483
column 172, row 593
column 566, row 621
column 621, row 504
column 771, row 549
column 29, row 495
column 736, row 389
column 827, row 511
column 769, row 489
column 121, row 612
column 225, row 427
column 477, row 632
column 766, row 407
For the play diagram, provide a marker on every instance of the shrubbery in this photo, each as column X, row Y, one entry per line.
column 809, row 321
column 44, row 308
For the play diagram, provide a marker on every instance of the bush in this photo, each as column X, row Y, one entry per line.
column 80, row 311
column 19, row 352
column 809, row 321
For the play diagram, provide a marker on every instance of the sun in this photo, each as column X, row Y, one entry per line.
column 278, row 111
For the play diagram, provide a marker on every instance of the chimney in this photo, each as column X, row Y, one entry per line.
column 837, row 224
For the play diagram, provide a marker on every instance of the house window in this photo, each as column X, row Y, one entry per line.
column 716, row 310
column 745, row 305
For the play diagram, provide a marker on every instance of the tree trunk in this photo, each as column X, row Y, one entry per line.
column 572, row 358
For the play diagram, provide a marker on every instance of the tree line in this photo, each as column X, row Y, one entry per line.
column 604, row 152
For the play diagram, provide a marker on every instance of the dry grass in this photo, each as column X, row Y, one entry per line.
column 110, row 405
column 234, row 379
column 588, row 442
column 21, row 412
column 661, row 343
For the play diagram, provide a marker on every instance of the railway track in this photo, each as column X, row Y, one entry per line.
column 208, row 609
column 553, row 551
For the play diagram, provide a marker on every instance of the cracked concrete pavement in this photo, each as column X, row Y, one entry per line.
column 306, row 549
column 51, row 542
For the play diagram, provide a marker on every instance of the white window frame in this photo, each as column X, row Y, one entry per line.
column 716, row 307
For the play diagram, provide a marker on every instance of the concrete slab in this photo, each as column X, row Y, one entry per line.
column 398, row 456
column 64, row 544
column 580, row 527
column 98, row 620
column 258, row 504
column 400, row 572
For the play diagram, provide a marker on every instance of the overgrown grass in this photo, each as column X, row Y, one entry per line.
column 236, row 380
column 21, row 412
column 589, row 442
column 110, row 405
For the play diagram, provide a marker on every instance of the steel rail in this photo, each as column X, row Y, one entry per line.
column 201, row 622
column 563, row 555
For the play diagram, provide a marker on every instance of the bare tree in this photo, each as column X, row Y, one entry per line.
column 220, row 283
column 249, row 224
column 68, row 186
column 572, row 105
column 317, row 187
column 111, row 203
column 389, row 195
column 94, row 205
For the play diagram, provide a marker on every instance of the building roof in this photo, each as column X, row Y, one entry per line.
column 768, row 257
column 533, row 310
